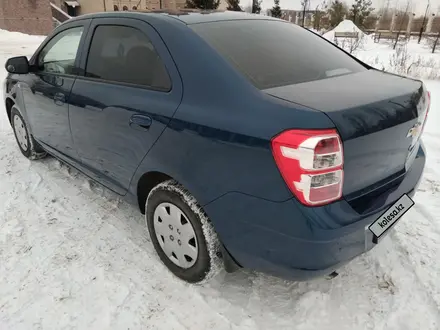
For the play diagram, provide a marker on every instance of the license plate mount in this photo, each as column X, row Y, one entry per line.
column 390, row 217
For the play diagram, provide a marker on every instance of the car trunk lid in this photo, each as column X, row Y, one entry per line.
column 379, row 117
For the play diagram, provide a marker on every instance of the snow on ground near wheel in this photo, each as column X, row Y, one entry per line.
column 74, row 256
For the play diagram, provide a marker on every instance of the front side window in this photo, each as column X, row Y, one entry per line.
column 124, row 54
column 59, row 55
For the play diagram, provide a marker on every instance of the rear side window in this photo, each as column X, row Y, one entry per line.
column 124, row 54
column 272, row 53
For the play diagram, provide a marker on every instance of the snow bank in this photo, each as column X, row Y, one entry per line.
column 352, row 45
column 344, row 26
column 347, row 26
column 12, row 36
column 18, row 44
column 409, row 59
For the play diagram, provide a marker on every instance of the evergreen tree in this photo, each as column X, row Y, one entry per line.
column 256, row 6
column 319, row 14
column 337, row 11
column 317, row 17
column 276, row 9
column 203, row 4
column 234, row 5
column 360, row 10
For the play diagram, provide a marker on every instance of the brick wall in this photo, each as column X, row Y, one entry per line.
column 27, row 16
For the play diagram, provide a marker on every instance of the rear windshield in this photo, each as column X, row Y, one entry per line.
column 273, row 53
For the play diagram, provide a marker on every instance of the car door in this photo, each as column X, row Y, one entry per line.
column 128, row 93
column 54, row 68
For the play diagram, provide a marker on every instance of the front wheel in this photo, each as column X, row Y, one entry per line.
column 181, row 233
column 28, row 146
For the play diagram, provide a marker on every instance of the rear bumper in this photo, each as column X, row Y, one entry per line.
column 295, row 242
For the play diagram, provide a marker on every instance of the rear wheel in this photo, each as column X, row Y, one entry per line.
column 181, row 233
column 28, row 146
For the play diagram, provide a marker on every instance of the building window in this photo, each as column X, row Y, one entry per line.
column 125, row 8
column 134, row 8
column 115, row 8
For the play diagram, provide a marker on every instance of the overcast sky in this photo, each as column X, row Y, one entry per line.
column 419, row 6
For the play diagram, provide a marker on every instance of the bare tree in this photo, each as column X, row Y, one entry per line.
column 402, row 19
column 305, row 4
column 435, row 43
column 352, row 44
column 402, row 62
column 422, row 29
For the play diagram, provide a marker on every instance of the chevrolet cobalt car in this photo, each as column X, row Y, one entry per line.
column 245, row 140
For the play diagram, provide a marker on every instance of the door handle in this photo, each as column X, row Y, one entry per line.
column 59, row 98
column 140, row 122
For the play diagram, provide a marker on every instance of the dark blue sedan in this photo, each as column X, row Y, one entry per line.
column 246, row 141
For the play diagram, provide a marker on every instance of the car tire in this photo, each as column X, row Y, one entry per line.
column 182, row 234
column 28, row 146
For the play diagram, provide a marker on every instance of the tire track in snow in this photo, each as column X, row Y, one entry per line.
column 418, row 239
column 114, row 251
column 87, row 237
column 93, row 239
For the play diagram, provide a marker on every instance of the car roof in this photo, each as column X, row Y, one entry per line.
column 187, row 16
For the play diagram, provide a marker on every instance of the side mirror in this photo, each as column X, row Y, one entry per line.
column 17, row 65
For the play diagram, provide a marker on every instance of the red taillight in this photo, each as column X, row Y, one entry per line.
column 311, row 163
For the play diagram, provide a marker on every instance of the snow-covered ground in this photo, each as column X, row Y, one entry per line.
column 344, row 26
column 74, row 256
column 409, row 58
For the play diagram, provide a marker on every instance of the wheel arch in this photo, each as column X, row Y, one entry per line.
column 9, row 103
column 15, row 99
column 146, row 183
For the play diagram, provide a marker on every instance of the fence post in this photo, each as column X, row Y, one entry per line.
column 429, row 25
column 409, row 27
